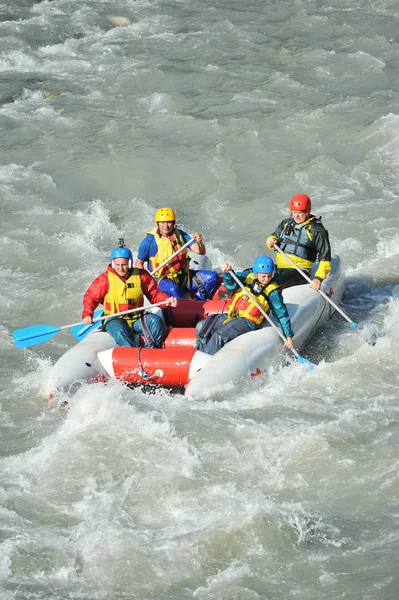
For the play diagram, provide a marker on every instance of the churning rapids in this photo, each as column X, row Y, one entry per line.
column 288, row 487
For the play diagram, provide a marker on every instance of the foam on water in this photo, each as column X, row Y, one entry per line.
column 284, row 487
column 137, row 494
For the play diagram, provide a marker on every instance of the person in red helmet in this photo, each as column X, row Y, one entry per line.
column 304, row 239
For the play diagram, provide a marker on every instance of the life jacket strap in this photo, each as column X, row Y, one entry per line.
column 206, row 331
column 197, row 278
column 149, row 339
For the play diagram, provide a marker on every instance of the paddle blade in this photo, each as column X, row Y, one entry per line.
column 80, row 331
column 369, row 332
column 36, row 334
column 305, row 361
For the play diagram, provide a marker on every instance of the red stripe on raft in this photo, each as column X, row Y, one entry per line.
column 165, row 366
column 180, row 336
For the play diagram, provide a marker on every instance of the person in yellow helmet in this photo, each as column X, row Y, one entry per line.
column 175, row 278
column 304, row 239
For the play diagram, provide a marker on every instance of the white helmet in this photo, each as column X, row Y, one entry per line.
column 199, row 262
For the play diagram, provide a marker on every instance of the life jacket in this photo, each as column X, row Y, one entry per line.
column 124, row 295
column 296, row 239
column 243, row 306
column 176, row 269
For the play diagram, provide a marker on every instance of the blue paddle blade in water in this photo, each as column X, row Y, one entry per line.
column 36, row 334
column 305, row 361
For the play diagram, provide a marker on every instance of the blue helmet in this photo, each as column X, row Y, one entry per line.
column 263, row 264
column 122, row 253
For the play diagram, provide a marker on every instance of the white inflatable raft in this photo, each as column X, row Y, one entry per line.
column 179, row 366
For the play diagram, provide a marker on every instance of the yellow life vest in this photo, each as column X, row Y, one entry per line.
column 176, row 269
column 243, row 306
column 124, row 295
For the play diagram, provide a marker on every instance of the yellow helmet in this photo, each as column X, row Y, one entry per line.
column 165, row 214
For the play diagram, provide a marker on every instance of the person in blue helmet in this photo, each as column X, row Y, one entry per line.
column 243, row 314
column 122, row 288
column 175, row 276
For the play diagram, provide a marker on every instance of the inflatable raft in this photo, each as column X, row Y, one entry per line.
column 178, row 365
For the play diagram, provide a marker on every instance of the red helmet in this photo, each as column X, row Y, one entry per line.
column 300, row 202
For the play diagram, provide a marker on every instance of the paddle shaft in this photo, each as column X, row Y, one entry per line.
column 306, row 276
column 264, row 313
column 88, row 327
column 173, row 255
column 124, row 312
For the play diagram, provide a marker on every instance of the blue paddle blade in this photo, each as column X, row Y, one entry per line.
column 36, row 334
column 305, row 361
column 79, row 332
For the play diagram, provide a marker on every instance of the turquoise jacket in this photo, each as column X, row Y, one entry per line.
column 275, row 298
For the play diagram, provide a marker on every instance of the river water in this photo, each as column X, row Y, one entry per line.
column 284, row 488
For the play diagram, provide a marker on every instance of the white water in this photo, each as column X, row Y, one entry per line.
column 286, row 488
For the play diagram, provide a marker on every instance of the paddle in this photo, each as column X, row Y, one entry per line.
column 80, row 332
column 337, row 308
column 299, row 358
column 173, row 255
column 37, row 334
